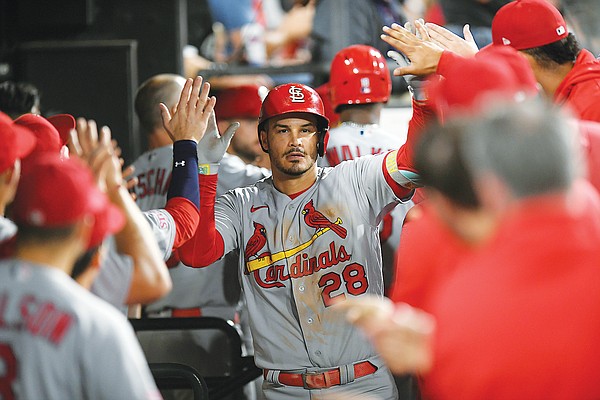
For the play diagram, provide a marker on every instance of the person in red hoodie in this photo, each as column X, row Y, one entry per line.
column 568, row 74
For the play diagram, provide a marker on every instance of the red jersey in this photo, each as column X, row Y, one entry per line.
column 427, row 256
column 521, row 320
column 580, row 90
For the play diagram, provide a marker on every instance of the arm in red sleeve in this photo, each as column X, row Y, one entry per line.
column 401, row 174
column 447, row 59
column 186, row 217
column 422, row 114
column 206, row 246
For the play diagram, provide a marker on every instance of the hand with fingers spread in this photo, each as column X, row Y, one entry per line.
column 99, row 152
column 192, row 112
column 449, row 41
column 416, row 83
column 422, row 53
column 213, row 145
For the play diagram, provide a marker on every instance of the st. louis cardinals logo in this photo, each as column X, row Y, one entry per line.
column 296, row 94
column 315, row 219
column 256, row 242
column 256, row 260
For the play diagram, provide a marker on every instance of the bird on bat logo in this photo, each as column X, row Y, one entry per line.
column 256, row 242
column 315, row 219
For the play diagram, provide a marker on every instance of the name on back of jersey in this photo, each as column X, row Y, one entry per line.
column 155, row 181
column 39, row 318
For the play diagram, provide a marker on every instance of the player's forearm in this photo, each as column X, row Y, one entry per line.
column 184, row 178
column 186, row 217
column 150, row 279
column 422, row 113
column 206, row 246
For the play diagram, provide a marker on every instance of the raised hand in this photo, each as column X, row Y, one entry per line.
column 422, row 53
column 190, row 118
column 454, row 43
column 213, row 145
column 99, row 152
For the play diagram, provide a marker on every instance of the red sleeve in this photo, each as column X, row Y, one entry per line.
column 186, row 217
column 422, row 114
column 206, row 246
column 447, row 59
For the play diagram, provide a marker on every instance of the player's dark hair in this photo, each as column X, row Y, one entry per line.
column 83, row 262
column 557, row 53
column 18, row 98
column 440, row 162
column 28, row 234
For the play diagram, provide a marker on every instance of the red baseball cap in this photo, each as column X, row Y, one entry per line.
column 16, row 142
column 518, row 64
column 48, row 138
column 525, row 24
column 63, row 123
column 55, row 193
column 473, row 84
column 238, row 102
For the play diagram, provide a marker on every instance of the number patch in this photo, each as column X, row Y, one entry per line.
column 353, row 277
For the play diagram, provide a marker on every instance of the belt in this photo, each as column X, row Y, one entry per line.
column 186, row 312
column 323, row 380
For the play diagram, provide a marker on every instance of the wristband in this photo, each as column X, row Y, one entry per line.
column 208, row 169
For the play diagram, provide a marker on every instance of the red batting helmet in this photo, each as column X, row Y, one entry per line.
column 359, row 75
column 295, row 98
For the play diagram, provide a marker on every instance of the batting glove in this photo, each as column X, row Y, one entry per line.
column 213, row 145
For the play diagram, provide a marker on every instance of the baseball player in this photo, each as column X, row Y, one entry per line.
column 58, row 341
column 210, row 289
column 308, row 237
column 359, row 86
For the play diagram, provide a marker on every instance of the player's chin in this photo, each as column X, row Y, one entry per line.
column 295, row 168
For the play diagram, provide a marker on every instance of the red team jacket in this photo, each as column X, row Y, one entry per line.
column 580, row 90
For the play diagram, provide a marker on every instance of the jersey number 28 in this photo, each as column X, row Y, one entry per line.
column 354, row 278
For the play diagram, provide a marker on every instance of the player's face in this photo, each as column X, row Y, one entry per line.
column 292, row 143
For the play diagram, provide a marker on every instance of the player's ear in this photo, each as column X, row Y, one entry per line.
column 262, row 139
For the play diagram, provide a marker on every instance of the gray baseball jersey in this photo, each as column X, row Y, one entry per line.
column 116, row 271
column 349, row 141
column 58, row 341
column 299, row 256
column 208, row 287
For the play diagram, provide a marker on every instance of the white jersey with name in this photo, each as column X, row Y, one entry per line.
column 349, row 141
column 299, row 256
column 215, row 286
column 58, row 341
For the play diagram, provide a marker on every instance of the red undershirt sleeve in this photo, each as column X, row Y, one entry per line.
column 186, row 217
column 206, row 246
column 422, row 113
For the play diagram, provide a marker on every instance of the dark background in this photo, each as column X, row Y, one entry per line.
column 87, row 57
